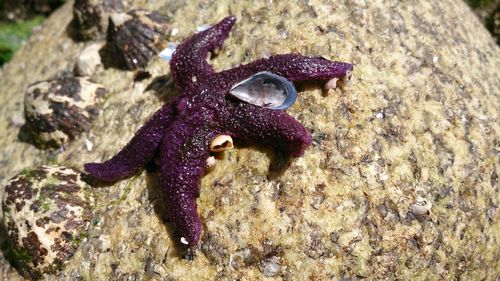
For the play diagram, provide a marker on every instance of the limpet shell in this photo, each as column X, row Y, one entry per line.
column 46, row 211
column 59, row 110
column 266, row 89
column 133, row 38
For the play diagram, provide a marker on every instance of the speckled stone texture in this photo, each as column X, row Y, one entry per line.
column 401, row 181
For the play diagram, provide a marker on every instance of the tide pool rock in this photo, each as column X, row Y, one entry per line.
column 401, row 181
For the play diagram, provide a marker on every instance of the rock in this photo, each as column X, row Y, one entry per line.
column 419, row 118
column 46, row 211
column 270, row 267
column 59, row 110
column 88, row 60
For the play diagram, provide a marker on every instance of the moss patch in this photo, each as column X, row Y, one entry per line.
column 478, row 3
column 12, row 35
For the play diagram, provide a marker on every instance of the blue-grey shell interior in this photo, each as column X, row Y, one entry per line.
column 266, row 89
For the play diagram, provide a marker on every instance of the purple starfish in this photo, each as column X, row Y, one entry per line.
column 182, row 129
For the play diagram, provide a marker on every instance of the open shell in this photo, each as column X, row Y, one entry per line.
column 221, row 143
column 266, row 89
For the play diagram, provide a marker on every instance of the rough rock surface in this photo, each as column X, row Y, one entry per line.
column 401, row 182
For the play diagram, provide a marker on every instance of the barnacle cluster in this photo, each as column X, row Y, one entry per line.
column 47, row 209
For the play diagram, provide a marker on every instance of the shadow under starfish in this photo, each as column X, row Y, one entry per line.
column 182, row 129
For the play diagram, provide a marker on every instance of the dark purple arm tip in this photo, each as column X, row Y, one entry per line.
column 294, row 67
column 189, row 59
column 183, row 213
column 138, row 151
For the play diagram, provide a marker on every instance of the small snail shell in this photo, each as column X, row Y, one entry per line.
column 221, row 143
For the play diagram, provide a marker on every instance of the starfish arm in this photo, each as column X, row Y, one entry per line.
column 294, row 67
column 183, row 155
column 138, row 151
column 188, row 63
column 274, row 127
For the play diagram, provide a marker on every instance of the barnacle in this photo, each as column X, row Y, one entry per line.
column 88, row 60
column 90, row 17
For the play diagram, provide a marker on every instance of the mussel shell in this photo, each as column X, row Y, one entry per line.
column 266, row 89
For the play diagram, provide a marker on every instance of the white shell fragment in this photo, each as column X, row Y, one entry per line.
column 331, row 84
column 88, row 60
column 221, row 143
column 211, row 161
column 167, row 53
column 421, row 206
column 334, row 82
column 266, row 89
column 203, row 27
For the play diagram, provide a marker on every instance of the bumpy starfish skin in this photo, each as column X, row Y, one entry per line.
column 182, row 130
